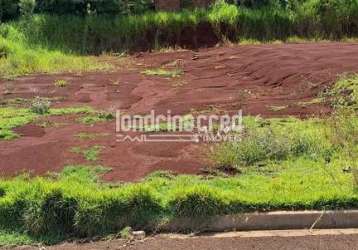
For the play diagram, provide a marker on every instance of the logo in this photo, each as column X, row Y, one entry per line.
column 178, row 128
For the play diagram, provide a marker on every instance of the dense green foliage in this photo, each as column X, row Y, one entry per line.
column 317, row 19
column 76, row 204
column 19, row 57
column 45, row 43
column 10, row 9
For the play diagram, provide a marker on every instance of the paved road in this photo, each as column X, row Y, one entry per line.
column 275, row 240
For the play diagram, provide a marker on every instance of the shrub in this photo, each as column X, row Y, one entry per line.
column 344, row 92
column 9, row 9
column 11, row 211
column 337, row 17
column 27, row 7
column 75, row 7
column 274, row 142
column 4, row 48
column 52, row 214
column 40, row 105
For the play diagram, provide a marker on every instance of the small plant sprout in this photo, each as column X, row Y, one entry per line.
column 61, row 83
column 40, row 105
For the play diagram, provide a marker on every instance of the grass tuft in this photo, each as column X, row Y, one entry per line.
column 90, row 154
column 61, row 83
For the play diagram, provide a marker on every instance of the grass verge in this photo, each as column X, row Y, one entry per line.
column 76, row 204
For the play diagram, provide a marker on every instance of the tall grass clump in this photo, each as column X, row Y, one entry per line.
column 344, row 93
column 19, row 57
column 344, row 130
column 111, row 210
column 276, row 141
column 198, row 201
column 343, row 97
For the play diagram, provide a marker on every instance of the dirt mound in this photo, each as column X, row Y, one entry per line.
column 267, row 80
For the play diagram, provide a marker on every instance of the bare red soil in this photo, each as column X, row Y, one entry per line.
column 267, row 80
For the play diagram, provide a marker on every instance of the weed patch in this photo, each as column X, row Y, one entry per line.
column 90, row 154
column 14, row 117
column 96, row 117
column 23, row 58
column 40, row 105
column 275, row 140
column 61, row 83
column 344, row 92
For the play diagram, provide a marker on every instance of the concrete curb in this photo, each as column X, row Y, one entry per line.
column 281, row 220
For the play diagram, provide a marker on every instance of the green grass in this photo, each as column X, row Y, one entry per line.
column 284, row 164
column 96, row 117
column 311, row 20
column 11, row 117
column 30, row 45
column 75, row 203
column 22, row 58
column 344, row 93
column 82, row 173
column 90, row 153
column 275, row 140
column 14, row 238
column 163, row 72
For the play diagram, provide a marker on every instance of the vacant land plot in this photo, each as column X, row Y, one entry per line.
column 267, row 80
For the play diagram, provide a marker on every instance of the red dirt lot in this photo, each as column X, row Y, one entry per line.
column 267, row 80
